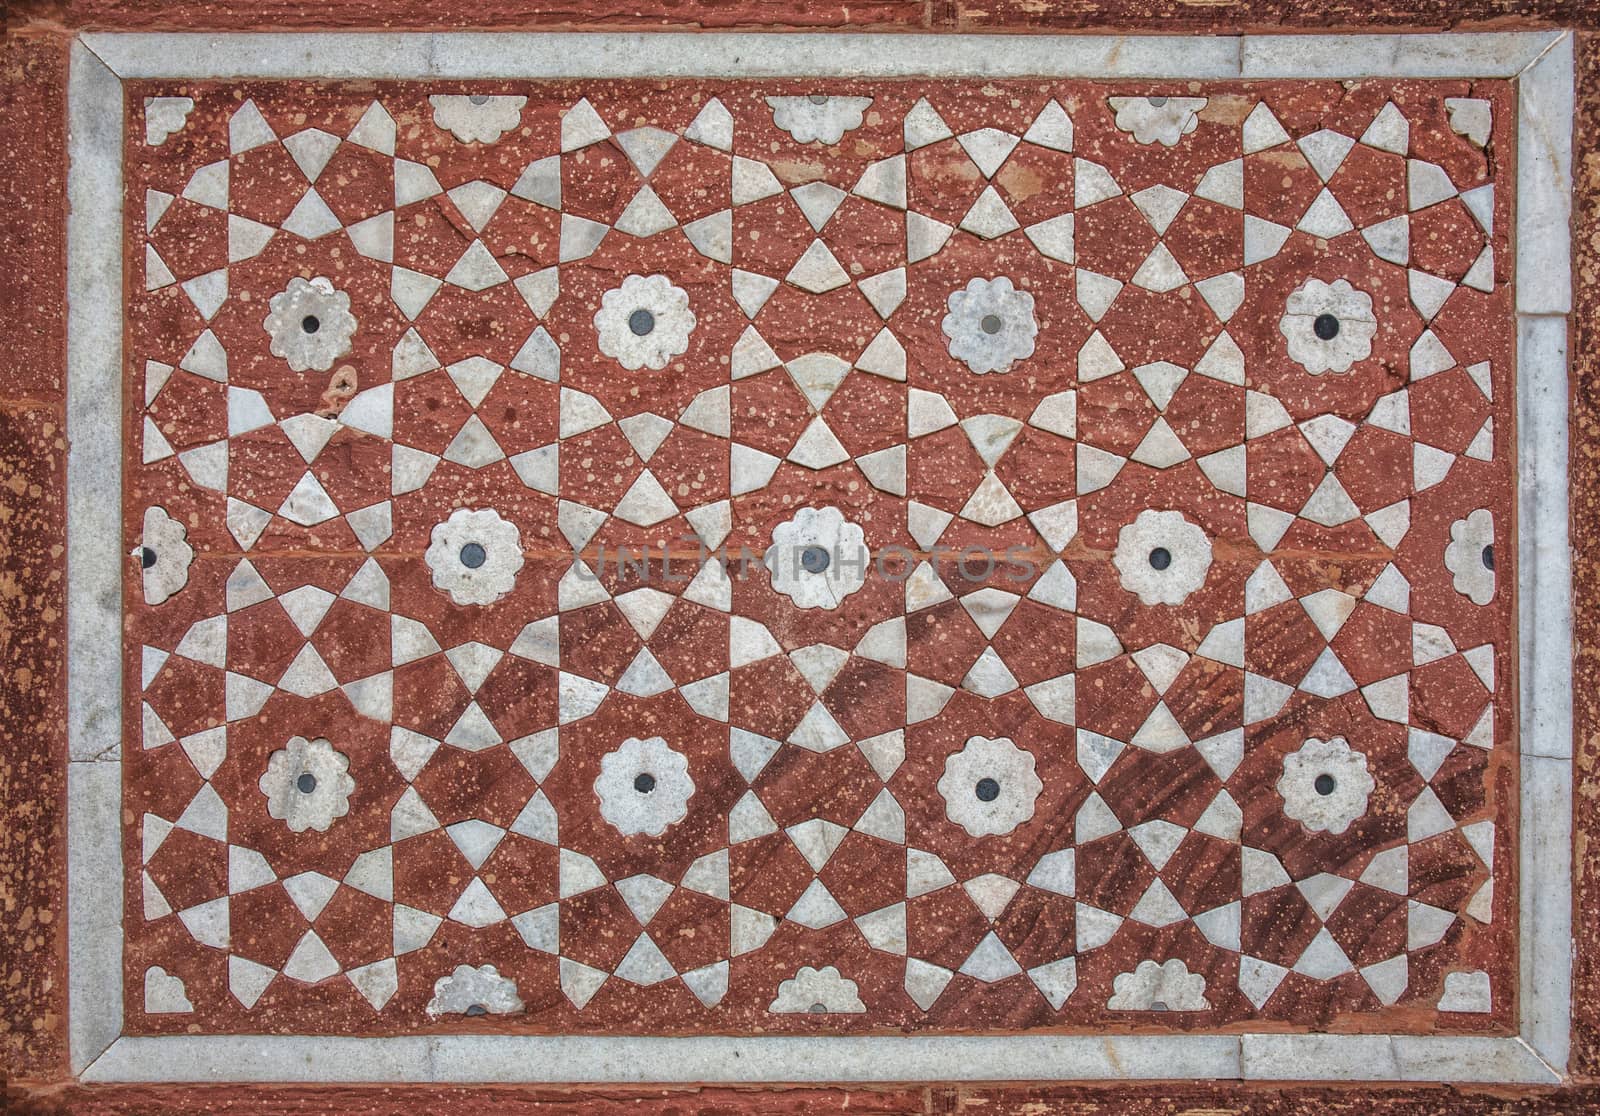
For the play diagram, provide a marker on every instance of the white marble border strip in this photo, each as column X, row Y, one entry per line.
column 662, row 55
column 94, row 558
column 1453, row 1058
column 264, row 54
column 1545, row 100
column 586, row 1059
column 1545, row 62
column 94, row 909
column 1544, row 559
column 1457, row 54
column 1545, row 97
column 94, row 411
column 837, row 55
column 1545, row 906
column 820, row 54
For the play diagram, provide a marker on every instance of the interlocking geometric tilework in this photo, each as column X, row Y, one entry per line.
column 734, row 557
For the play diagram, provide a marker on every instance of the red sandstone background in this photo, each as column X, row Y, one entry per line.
column 33, row 1056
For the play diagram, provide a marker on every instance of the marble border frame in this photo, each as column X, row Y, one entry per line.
column 1541, row 63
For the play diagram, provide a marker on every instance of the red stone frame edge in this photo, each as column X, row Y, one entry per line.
column 1541, row 64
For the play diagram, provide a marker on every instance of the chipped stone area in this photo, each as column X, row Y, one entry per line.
column 733, row 557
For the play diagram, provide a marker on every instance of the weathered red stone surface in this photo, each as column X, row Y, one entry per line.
column 32, row 587
column 1247, row 15
column 1585, row 464
column 991, row 15
column 35, row 1001
column 412, row 14
column 1160, row 1099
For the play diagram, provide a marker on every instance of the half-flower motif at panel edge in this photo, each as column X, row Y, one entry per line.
column 475, row 556
column 645, row 322
column 644, row 787
column 989, row 787
column 474, row 991
column 818, row 558
column 478, row 117
column 1163, row 120
column 816, row 117
column 1329, row 326
column 817, row 992
column 307, row 784
column 164, row 556
column 163, row 116
column 1325, row 785
column 1470, row 556
column 1159, row 986
column 164, row 993
column 990, row 325
column 310, row 324
column 1162, row 557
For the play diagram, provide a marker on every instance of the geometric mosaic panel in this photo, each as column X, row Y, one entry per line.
column 819, row 557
